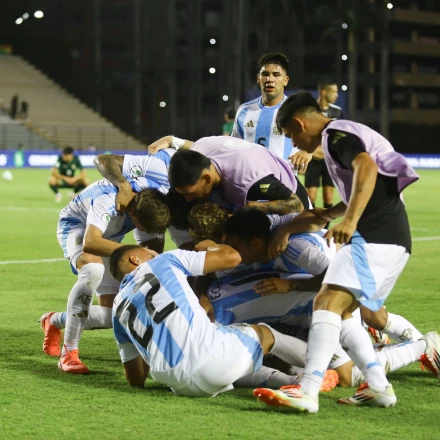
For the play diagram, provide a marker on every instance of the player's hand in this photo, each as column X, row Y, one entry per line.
column 68, row 180
column 160, row 144
column 278, row 243
column 123, row 198
column 300, row 161
column 205, row 245
column 341, row 233
column 207, row 306
column 322, row 213
column 273, row 286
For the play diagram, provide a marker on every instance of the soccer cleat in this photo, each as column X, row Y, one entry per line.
column 371, row 397
column 52, row 336
column 291, row 397
column 70, row 363
column 431, row 359
column 378, row 336
column 58, row 197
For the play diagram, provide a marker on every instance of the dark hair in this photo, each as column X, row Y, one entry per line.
column 273, row 58
column 300, row 102
column 207, row 221
column 230, row 112
column 186, row 168
column 248, row 224
column 325, row 83
column 116, row 259
column 179, row 209
column 151, row 210
column 68, row 150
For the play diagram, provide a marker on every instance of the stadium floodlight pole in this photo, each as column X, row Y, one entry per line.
column 98, row 56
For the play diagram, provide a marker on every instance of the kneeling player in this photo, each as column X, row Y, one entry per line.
column 160, row 325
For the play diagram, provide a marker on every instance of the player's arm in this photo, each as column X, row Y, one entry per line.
column 169, row 142
column 54, row 173
column 273, row 197
column 218, row 256
column 348, row 150
column 136, row 372
column 95, row 244
column 300, row 160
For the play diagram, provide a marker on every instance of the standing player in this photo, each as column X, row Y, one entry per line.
column 370, row 176
column 160, row 325
column 317, row 169
column 256, row 120
column 63, row 174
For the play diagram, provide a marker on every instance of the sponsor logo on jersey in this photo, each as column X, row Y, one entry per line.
column 264, row 187
column 250, row 124
column 106, row 219
column 136, row 171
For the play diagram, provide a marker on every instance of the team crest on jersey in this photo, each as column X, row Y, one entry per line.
column 106, row 219
column 276, row 131
column 136, row 171
column 79, row 239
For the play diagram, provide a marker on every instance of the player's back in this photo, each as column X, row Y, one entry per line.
column 162, row 315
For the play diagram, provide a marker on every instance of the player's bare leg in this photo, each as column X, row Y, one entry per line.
column 312, row 192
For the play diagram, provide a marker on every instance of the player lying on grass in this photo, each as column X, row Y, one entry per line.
column 369, row 176
column 89, row 230
column 234, row 173
column 62, row 175
column 160, row 327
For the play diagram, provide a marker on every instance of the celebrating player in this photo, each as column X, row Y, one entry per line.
column 370, row 176
column 63, row 174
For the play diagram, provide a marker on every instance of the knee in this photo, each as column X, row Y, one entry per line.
column 91, row 274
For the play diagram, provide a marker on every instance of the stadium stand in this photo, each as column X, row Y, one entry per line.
column 56, row 116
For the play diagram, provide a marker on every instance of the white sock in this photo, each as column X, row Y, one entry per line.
column 287, row 348
column 392, row 358
column 400, row 329
column 78, row 305
column 99, row 317
column 357, row 343
column 339, row 358
column 58, row 319
column 266, row 377
column 323, row 341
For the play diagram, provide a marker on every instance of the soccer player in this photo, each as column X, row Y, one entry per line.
column 63, row 174
column 256, row 120
column 317, row 169
column 159, row 325
column 89, row 230
column 369, row 176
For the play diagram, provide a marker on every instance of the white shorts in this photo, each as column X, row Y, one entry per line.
column 236, row 352
column 368, row 270
column 234, row 300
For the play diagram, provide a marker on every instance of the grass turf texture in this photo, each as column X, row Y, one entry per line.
column 39, row 402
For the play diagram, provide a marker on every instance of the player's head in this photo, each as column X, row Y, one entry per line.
column 126, row 258
column 149, row 212
column 328, row 90
column 190, row 174
column 300, row 119
column 207, row 221
column 248, row 232
column 67, row 154
column 272, row 75
column 229, row 114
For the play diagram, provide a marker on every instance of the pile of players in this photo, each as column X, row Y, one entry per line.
column 256, row 274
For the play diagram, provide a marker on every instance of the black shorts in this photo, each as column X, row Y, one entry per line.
column 316, row 170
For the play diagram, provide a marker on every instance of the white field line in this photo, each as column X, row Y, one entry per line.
column 426, row 238
column 28, row 208
column 45, row 260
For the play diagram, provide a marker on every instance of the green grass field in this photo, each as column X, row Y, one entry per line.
column 39, row 402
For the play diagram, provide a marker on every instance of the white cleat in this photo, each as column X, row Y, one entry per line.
column 292, row 398
column 431, row 358
column 370, row 397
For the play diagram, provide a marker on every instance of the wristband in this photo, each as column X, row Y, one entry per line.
column 177, row 142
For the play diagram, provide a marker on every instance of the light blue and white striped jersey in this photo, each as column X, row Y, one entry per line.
column 149, row 171
column 157, row 315
column 256, row 123
column 95, row 205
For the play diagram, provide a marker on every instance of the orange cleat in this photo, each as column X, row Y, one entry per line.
column 70, row 363
column 52, row 336
column 378, row 336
